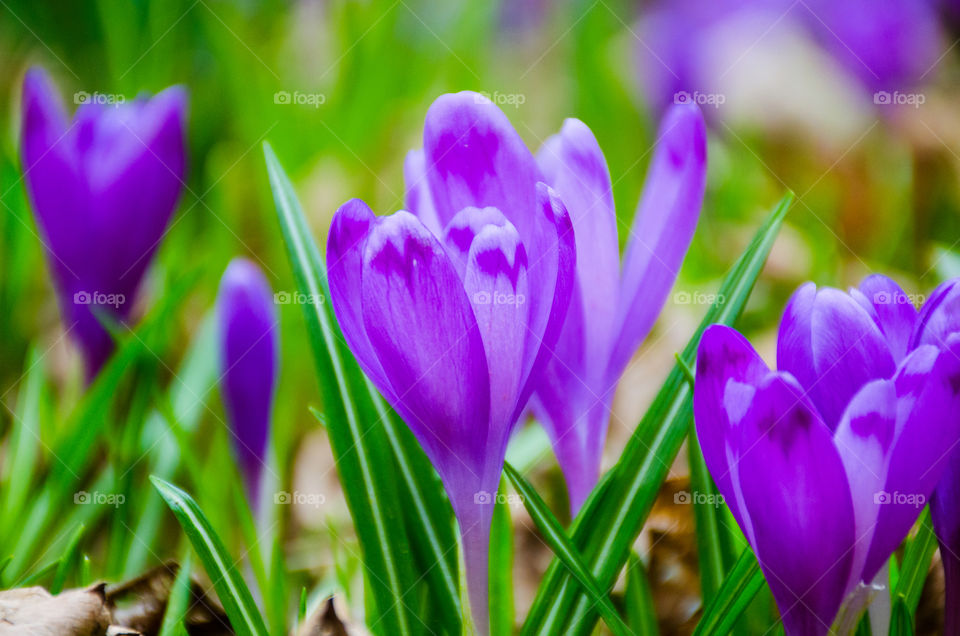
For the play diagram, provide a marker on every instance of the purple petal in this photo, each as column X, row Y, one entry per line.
column 574, row 166
column 795, row 489
column 940, row 315
column 891, row 309
column 495, row 279
column 249, row 349
column 417, row 198
column 927, row 437
column 663, row 227
column 832, row 346
column 728, row 372
column 476, row 159
column 421, row 327
column 945, row 511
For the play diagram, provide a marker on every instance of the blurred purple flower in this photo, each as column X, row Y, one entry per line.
column 612, row 310
column 103, row 187
column 248, row 342
column 887, row 45
column 450, row 308
column 827, row 462
column 939, row 324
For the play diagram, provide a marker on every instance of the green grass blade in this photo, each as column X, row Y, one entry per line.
column 613, row 515
column 18, row 473
column 916, row 562
column 237, row 601
column 68, row 561
column 557, row 540
column 501, row 569
column 178, row 603
column 901, row 618
column 641, row 613
column 733, row 597
column 362, row 454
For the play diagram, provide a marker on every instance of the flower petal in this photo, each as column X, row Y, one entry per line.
column 891, row 309
column 832, row 346
column 663, row 227
column 574, row 166
column 345, row 246
column 422, row 329
column 728, row 372
column 417, row 197
column 476, row 159
column 940, row 315
column 795, row 489
column 249, row 349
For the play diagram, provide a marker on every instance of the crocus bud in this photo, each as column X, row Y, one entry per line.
column 249, row 352
column 103, row 187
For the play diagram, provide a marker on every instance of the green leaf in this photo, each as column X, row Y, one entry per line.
column 901, row 618
column 501, row 568
column 361, row 450
column 641, row 613
column 237, row 601
column 18, row 471
column 557, row 540
column 68, row 560
column 733, row 597
column 611, row 518
column 178, row 603
column 917, row 555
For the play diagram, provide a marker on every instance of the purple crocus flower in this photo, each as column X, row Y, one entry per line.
column 939, row 324
column 249, row 352
column 613, row 309
column 827, row 462
column 451, row 307
column 103, row 187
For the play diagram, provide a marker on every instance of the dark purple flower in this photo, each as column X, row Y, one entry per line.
column 613, row 309
column 827, row 462
column 450, row 308
column 939, row 324
column 248, row 338
column 103, row 187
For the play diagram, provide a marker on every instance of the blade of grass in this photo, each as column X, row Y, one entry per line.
column 557, row 540
column 19, row 470
column 641, row 613
column 916, row 562
column 733, row 597
column 501, row 568
column 68, row 561
column 178, row 603
column 901, row 618
column 614, row 513
column 236, row 599
column 363, row 456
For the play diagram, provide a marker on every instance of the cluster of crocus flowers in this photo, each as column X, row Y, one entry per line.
column 827, row 462
column 103, row 186
column 248, row 342
column 612, row 308
column 451, row 307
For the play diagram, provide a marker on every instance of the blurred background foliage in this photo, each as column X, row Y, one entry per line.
column 881, row 197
